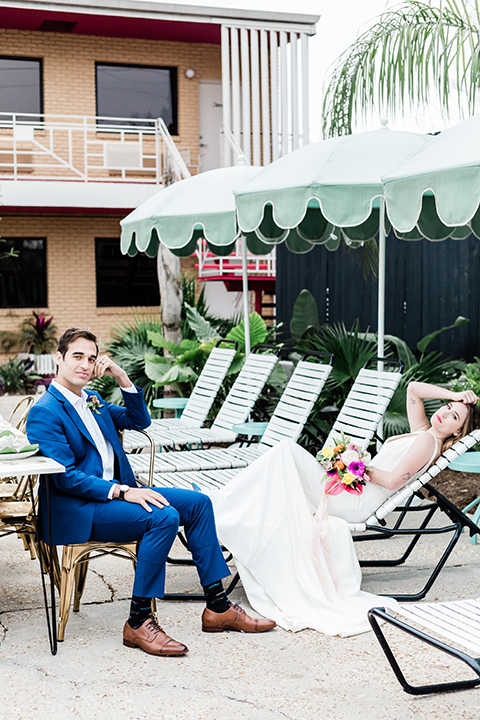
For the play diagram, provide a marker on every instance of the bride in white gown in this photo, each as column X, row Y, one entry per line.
column 290, row 540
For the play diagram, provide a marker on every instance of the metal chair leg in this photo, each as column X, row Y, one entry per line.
column 66, row 591
column 81, row 570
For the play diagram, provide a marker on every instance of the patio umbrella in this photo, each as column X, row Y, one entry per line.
column 303, row 198
column 435, row 193
column 199, row 207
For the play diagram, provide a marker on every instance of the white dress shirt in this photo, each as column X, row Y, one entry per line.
column 103, row 446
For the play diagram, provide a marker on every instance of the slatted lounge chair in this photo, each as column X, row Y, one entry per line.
column 199, row 402
column 456, row 631
column 236, row 408
column 287, row 421
column 401, row 504
column 359, row 419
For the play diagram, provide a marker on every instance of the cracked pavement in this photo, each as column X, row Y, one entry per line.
column 226, row 676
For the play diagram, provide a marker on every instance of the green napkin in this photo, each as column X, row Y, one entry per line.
column 29, row 448
column 13, row 451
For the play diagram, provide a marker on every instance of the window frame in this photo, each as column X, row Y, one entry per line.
column 36, row 119
column 173, row 70
column 21, row 239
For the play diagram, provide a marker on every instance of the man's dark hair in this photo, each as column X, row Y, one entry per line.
column 72, row 334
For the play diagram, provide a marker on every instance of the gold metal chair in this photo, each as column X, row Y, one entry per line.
column 16, row 517
column 73, row 573
column 71, row 577
column 19, row 414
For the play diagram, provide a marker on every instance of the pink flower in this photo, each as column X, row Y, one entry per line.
column 333, row 487
column 351, row 446
column 356, row 489
column 357, row 468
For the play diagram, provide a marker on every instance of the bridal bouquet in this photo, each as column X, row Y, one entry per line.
column 346, row 466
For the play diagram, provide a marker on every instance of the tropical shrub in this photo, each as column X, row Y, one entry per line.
column 352, row 348
column 222, row 325
column 16, row 376
column 469, row 379
column 180, row 365
column 38, row 334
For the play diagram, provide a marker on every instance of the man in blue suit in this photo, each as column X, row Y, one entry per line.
column 97, row 498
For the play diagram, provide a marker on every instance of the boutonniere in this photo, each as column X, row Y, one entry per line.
column 94, row 404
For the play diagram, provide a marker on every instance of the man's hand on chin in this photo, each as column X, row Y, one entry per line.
column 106, row 366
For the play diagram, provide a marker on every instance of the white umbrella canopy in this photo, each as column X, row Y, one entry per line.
column 302, row 197
column 202, row 206
column 435, row 193
column 199, row 207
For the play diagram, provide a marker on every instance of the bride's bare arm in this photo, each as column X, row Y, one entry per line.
column 418, row 391
column 418, row 455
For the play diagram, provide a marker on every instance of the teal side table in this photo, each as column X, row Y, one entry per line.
column 251, row 429
column 174, row 403
column 469, row 462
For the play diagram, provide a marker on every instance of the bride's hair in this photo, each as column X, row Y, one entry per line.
column 472, row 421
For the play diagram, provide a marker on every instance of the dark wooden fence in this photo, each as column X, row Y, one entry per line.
column 428, row 284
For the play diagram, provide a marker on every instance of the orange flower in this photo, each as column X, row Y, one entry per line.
column 339, row 465
column 339, row 448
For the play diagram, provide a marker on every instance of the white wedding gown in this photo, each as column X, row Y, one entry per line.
column 265, row 517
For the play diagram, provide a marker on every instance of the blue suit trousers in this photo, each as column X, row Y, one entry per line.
column 121, row 521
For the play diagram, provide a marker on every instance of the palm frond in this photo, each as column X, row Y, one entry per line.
column 412, row 53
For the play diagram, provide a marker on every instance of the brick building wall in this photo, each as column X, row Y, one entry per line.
column 69, row 70
column 69, row 89
column 71, row 272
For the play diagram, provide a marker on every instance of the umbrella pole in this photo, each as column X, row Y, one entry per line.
column 381, row 279
column 381, row 294
column 246, row 308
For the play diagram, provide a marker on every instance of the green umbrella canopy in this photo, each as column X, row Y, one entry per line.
column 437, row 188
column 202, row 206
column 303, row 196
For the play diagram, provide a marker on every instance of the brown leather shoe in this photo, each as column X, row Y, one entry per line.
column 151, row 638
column 235, row 618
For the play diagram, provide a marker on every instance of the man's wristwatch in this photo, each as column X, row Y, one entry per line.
column 123, row 490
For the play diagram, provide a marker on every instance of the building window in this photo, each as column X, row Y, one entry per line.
column 21, row 86
column 137, row 91
column 23, row 279
column 124, row 281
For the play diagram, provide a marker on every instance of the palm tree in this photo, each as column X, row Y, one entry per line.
column 414, row 53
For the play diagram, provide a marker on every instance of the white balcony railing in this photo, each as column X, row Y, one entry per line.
column 88, row 149
column 210, row 265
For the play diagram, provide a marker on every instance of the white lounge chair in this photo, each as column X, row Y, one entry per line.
column 236, row 408
column 200, row 401
column 287, row 421
column 401, row 505
column 456, row 631
column 359, row 418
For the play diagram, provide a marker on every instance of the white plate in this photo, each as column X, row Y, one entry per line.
column 18, row 455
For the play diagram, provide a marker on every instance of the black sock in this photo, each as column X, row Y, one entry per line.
column 140, row 610
column 216, row 597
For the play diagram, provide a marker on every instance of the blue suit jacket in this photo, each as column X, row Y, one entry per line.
column 55, row 425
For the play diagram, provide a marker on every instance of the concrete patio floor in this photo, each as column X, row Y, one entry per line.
column 225, row 676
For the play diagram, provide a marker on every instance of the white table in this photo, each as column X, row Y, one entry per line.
column 34, row 465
